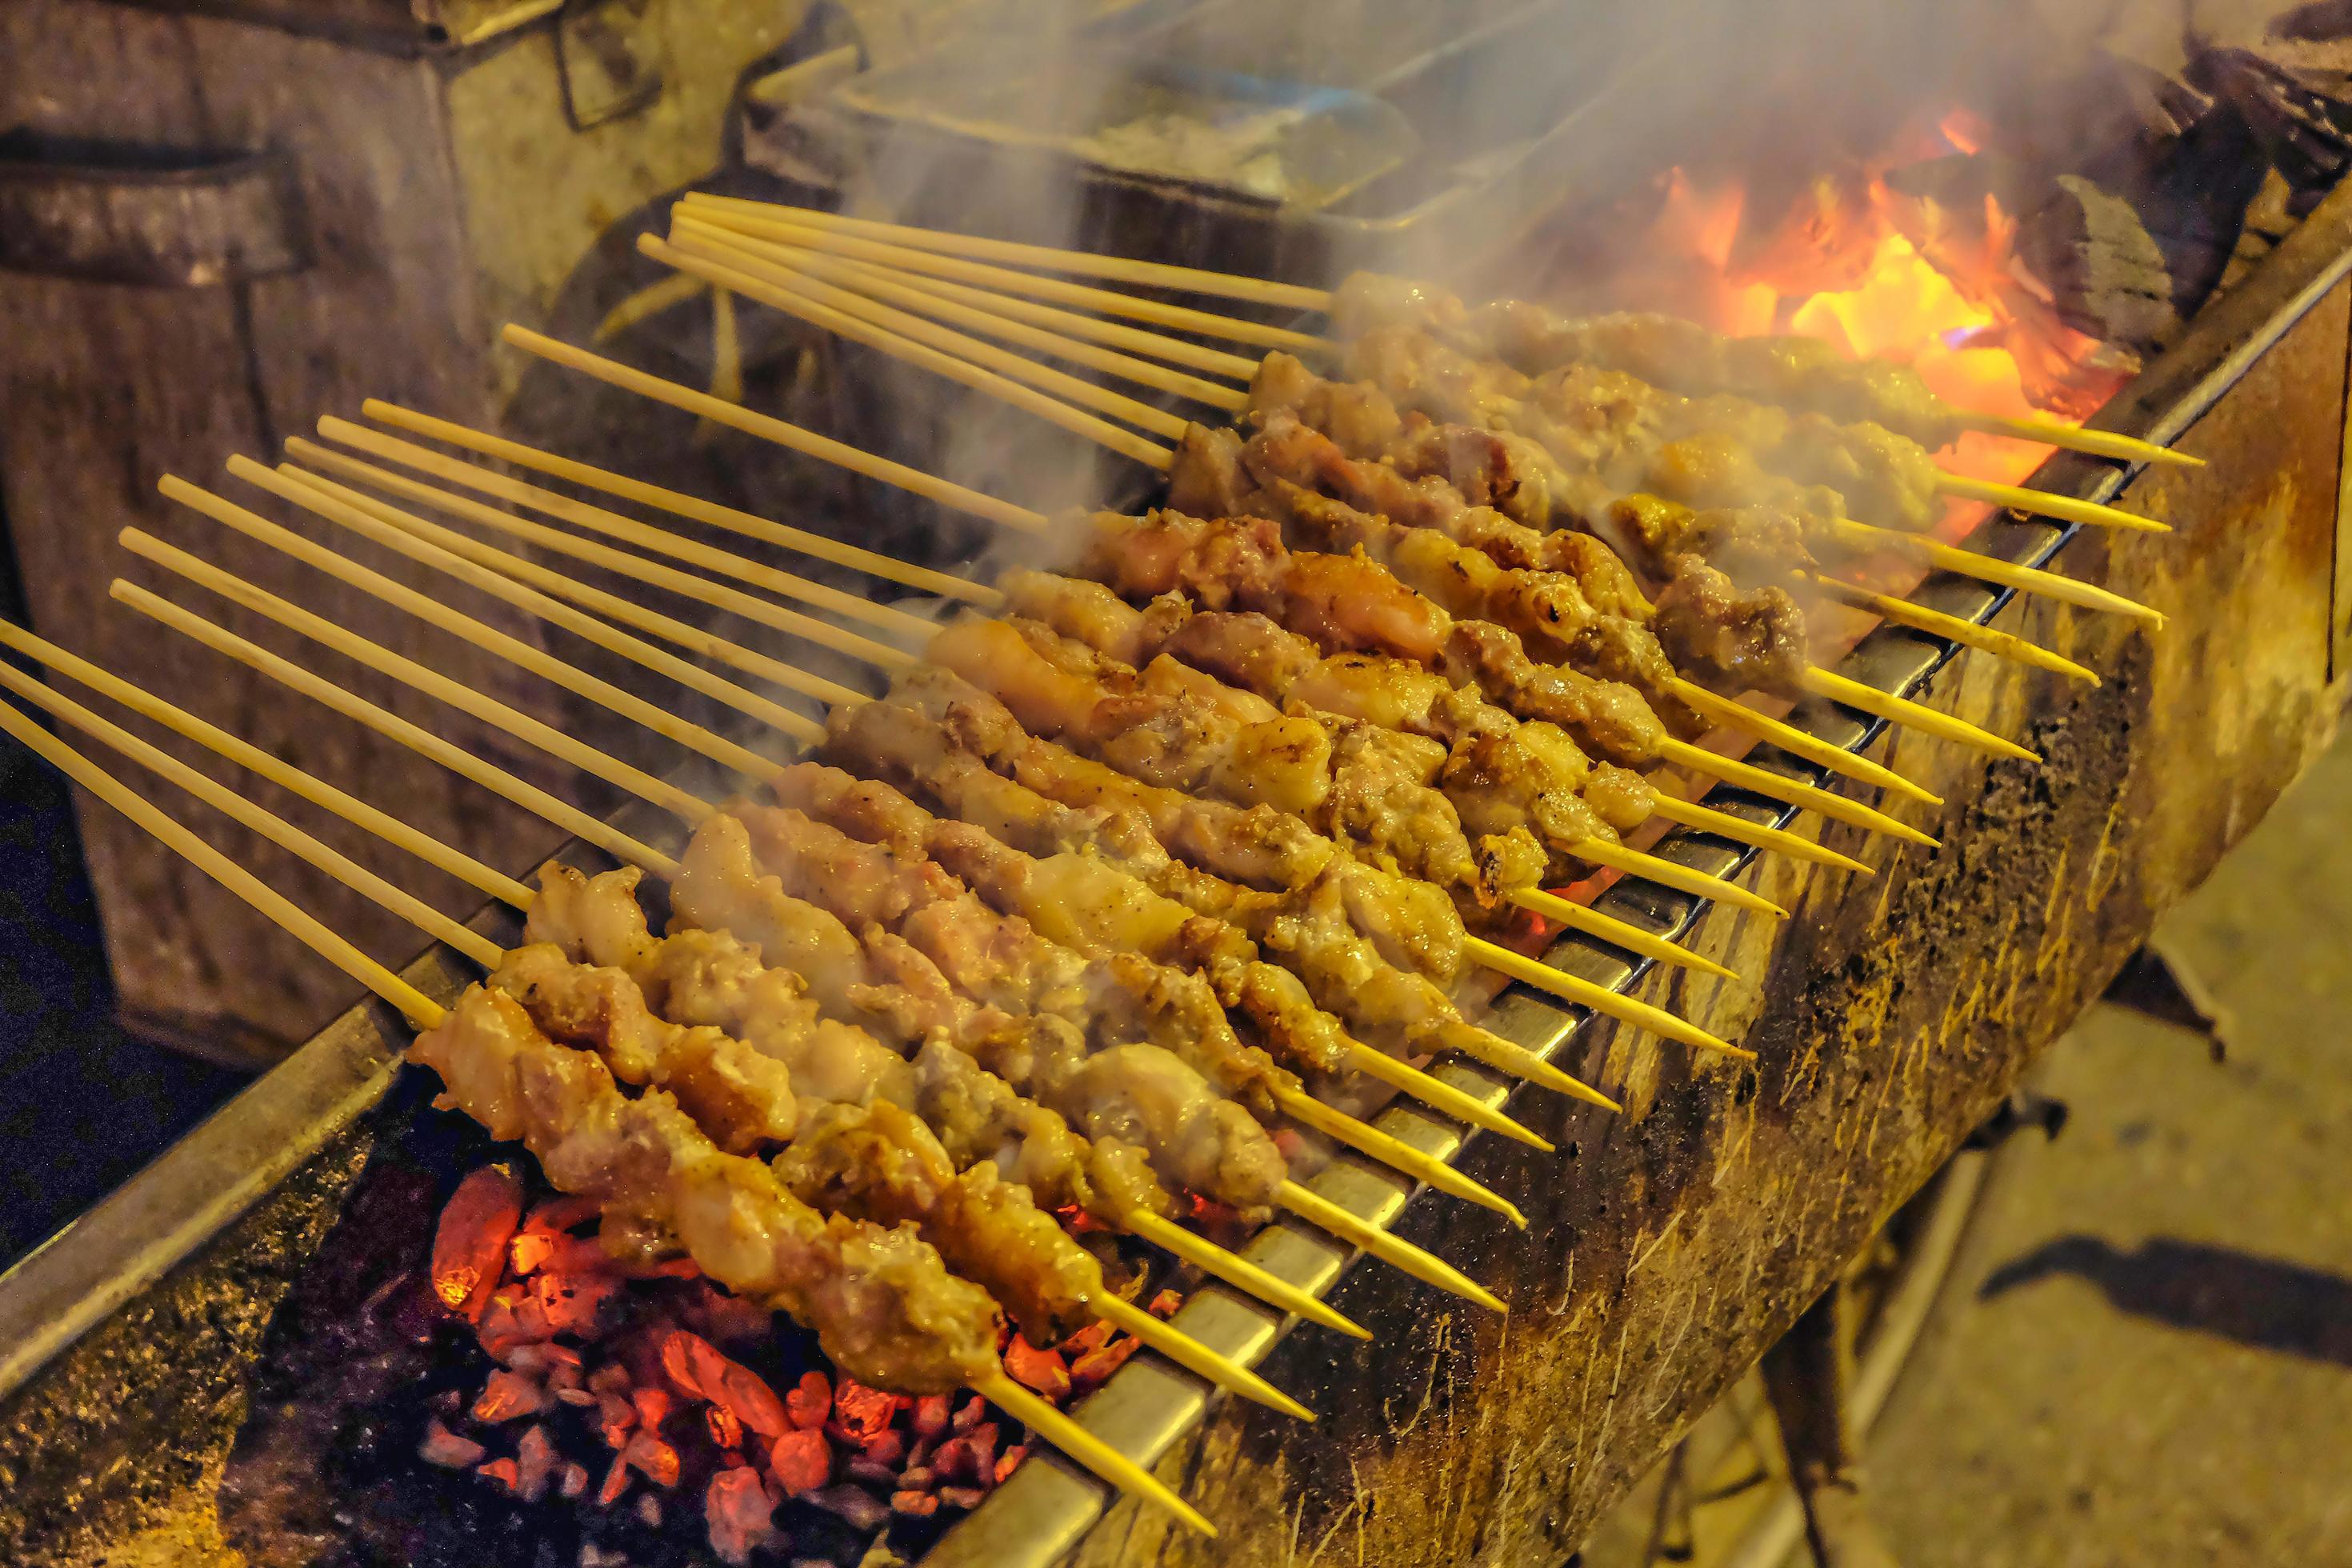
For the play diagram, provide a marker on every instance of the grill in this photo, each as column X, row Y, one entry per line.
column 165, row 1398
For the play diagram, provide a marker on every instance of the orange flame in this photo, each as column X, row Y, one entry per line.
column 1887, row 275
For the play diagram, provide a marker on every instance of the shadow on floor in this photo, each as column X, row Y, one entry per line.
column 2215, row 1290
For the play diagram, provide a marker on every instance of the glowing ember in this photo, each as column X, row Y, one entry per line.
column 470, row 1246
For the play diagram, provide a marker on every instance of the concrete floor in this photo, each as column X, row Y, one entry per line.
column 2150, row 1358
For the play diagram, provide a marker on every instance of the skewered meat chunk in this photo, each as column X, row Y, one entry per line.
column 741, row 1097
column 1309, row 928
column 881, row 1164
column 1415, row 925
column 1086, row 905
column 1499, row 772
column 1352, row 604
column 1728, row 639
column 1797, row 373
column 1369, row 795
column 1603, row 424
column 1754, row 546
column 881, row 1302
column 1127, row 1001
column 711, row 978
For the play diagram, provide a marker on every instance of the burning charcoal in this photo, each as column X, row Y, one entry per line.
column 862, row 1411
column 931, row 1414
column 571, row 1302
column 1009, row 1461
column 572, row 1481
column 535, row 1462
column 918, row 1478
column 918, row 1505
column 658, row 1461
column 724, row 1319
column 725, row 1430
column 617, row 1417
column 801, row 1460
column 1164, row 1305
column 469, row 1245
column 503, row 1471
column 810, row 1403
column 739, row 1513
column 1092, row 1370
column 853, row 1506
column 964, row 1498
column 444, row 1448
column 617, row 1481
column 578, row 1399
column 508, row 1395
column 649, row 1511
column 1040, row 1370
column 696, row 1366
column 887, row 1449
column 881, row 1477
column 653, row 1405
column 595, row 1556
column 973, row 1411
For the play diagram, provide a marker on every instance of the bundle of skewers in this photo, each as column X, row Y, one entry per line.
column 1128, row 888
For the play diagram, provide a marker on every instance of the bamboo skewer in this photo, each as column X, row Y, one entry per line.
column 1597, row 998
column 1576, row 917
column 637, row 568
column 2080, row 438
column 1681, row 879
column 514, row 722
column 488, row 711
column 922, row 242
column 1903, row 711
column 693, row 737
column 807, row 442
column 470, row 560
column 1952, row 628
column 1748, row 776
column 886, row 327
column 857, row 330
column 275, row 829
column 751, row 525
column 1376, row 1063
column 1193, row 1356
column 1238, row 1271
column 578, row 823
column 2044, row 503
column 1723, row 825
column 391, row 830
column 787, row 268
column 422, row 1013
column 1151, row 274
column 1796, row 741
column 1005, row 279
column 1395, row 1153
column 1109, row 1464
column 988, row 305
column 1392, row 1251
column 790, row 287
column 1992, row 569
column 690, row 808
column 684, row 397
